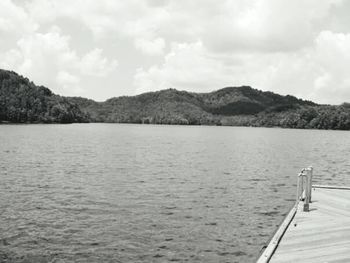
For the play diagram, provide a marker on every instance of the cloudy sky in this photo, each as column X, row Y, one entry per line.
column 106, row 48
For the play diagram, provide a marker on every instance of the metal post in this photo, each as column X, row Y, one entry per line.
column 302, row 187
column 307, row 189
column 311, row 171
column 298, row 188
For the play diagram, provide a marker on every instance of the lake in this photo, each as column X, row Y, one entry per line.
column 146, row 193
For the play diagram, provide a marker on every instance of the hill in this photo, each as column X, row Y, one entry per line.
column 181, row 107
column 22, row 101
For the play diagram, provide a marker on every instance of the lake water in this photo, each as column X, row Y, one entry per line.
column 144, row 193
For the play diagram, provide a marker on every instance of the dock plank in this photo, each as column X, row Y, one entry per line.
column 320, row 235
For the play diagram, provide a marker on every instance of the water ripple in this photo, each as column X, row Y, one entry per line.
column 133, row 193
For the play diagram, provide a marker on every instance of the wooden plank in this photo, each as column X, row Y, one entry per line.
column 320, row 235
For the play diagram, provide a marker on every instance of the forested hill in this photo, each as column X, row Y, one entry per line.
column 233, row 106
column 22, row 101
column 181, row 107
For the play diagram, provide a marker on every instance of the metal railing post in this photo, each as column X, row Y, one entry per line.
column 308, row 186
column 304, row 187
column 311, row 171
column 299, row 187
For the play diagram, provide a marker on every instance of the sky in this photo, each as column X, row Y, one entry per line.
column 109, row 48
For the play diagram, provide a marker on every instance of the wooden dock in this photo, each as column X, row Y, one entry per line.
column 317, row 229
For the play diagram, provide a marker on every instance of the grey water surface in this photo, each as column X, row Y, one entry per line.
column 144, row 193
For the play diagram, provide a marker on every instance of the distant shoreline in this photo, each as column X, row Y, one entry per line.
column 159, row 124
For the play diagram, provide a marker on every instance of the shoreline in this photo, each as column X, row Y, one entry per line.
column 165, row 124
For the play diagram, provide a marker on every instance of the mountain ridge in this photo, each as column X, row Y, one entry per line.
column 22, row 101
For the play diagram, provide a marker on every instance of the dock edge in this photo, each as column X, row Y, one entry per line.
column 271, row 247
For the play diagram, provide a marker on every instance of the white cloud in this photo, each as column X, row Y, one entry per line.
column 332, row 57
column 14, row 20
column 268, row 26
column 150, row 47
column 39, row 56
column 94, row 64
column 69, row 83
column 11, row 59
column 187, row 66
column 49, row 59
column 128, row 18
